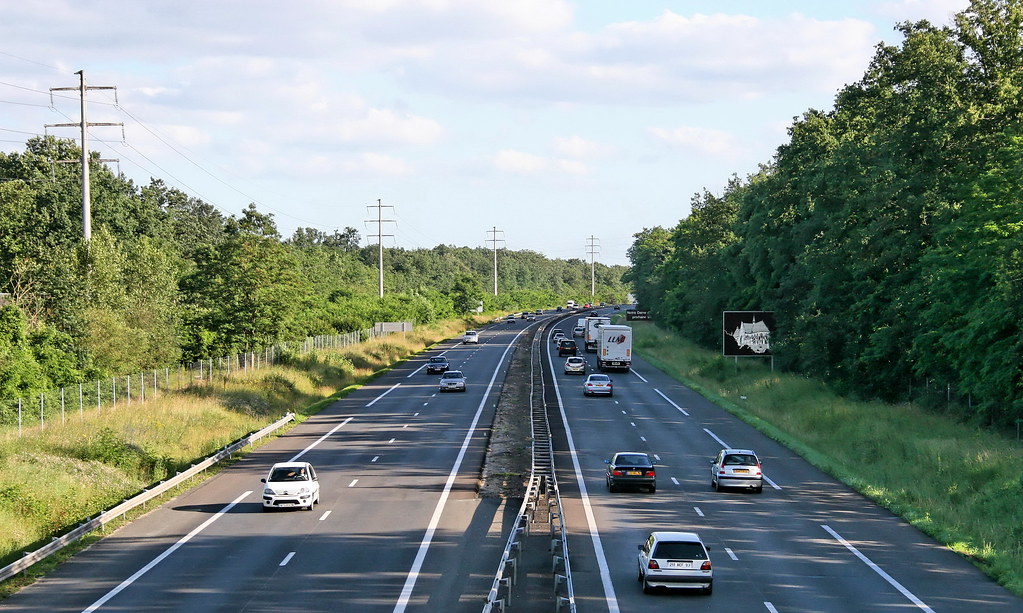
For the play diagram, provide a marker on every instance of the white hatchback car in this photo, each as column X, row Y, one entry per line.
column 675, row 560
column 289, row 485
column 471, row 336
column 575, row 365
column 739, row 468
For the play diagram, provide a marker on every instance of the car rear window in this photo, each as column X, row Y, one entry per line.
column 634, row 460
column 739, row 459
column 679, row 551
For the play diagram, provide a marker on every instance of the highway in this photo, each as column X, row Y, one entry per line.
column 399, row 526
column 806, row 544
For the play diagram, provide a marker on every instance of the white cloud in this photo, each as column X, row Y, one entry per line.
column 519, row 162
column 383, row 125
column 703, row 140
column 578, row 147
column 938, row 12
column 378, row 163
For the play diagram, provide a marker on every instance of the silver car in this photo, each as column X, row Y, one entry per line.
column 738, row 468
column 452, row 381
column 575, row 366
column 675, row 560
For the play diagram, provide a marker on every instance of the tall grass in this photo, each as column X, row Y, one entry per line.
column 961, row 485
column 54, row 478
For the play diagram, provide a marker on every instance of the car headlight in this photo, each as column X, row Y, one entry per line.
column 269, row 492
column 304, row 490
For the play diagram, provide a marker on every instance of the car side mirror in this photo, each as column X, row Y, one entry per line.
column 639, row 547
column 262, row 480
column 607, row 461
column 707, row 547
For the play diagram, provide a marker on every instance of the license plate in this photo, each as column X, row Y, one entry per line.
column 676, row 564
column 742, row 470
column 633, row 472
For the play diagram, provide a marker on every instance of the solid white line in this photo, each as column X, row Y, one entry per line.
column 672, row 402
column 287, row 559
column 325, row 515
column 877, row 569
column 639, row 375
column 391, row 389
column 731, row 554
column 160, row 558
column 424, row 546
column 610, row 598
column 352, row 484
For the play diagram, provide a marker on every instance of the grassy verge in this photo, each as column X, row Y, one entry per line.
column 53, row 479
column 961, row 485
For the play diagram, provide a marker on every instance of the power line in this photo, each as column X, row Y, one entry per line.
column 495, row 240
column 592, row 249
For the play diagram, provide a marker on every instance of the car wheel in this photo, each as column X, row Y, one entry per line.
column 610, row 394
column 709, row 589
column 759, row 489
column 653, row 489
column 647, row 588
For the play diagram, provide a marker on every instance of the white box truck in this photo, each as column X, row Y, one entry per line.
column 591, row 325
column 614, row 347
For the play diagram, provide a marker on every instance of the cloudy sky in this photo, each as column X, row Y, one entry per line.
column 557, row 122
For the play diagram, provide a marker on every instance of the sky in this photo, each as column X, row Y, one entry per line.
column 556, row 126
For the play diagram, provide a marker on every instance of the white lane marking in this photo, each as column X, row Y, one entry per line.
column 416, row 414
column 770, row 607
column 672, row 402
column 727, row 446
column 640, row 376
column 390, row 441
column 624, row 413
column 642, row 438
column 605, row 575
column 352, row 484
column 321, row 439
column 424, row 546
column 325, row 515
column 160, row 558
column 730, row 554
column 632, row 423
column 375, row 458
column 391, row 389
column 877, row 569
column 675, row 481
column 287, row 559
column 405, row 426
column 657, row 457
column 698, row 511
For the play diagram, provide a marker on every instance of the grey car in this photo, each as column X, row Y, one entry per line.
column 436, row 365
column 452, row 381
column 630, row 469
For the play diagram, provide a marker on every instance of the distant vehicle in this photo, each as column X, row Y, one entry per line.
column 560, row 309
column 539, row 311
column 597, row 384
column 675, row 560
column 570, row 304
column 471, row 336
column 436, row 365
column 614, row 347
column 739, row 468
column 617, row 308
column 578, row 331
column 575, row 365
column 510, row 319
column 291, row 485
column 630, row 469
column 592, row 323
column 452, row 381
column 567, row 346
column 557, row 337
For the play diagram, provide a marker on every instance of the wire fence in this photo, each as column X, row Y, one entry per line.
column 58, row 406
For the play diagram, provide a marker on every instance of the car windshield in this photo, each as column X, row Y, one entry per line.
column 632, row 459
column 739, row 459
column 287, row 474
column 679, row 551
column 452, row 374
column 438, row 359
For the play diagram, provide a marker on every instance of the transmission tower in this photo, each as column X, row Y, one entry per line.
column 495, row 240
column 592, row 249
column 84, row 125
column 380, row 221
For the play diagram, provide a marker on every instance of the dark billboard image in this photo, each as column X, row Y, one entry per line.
column 747, row 333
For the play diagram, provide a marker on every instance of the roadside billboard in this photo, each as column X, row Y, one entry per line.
column 747, row 333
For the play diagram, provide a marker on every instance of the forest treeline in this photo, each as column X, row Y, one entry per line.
column 167, row 277
column 886, row 234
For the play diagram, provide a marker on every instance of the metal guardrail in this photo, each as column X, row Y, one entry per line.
column 109, row 515
column 542, row 488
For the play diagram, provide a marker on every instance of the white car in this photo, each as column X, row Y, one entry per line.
column 471, row 336
column 738, row 468
column 578, row 331
column 675, row 560
column 598, row 384
column 575, row 365
column 291, row 485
